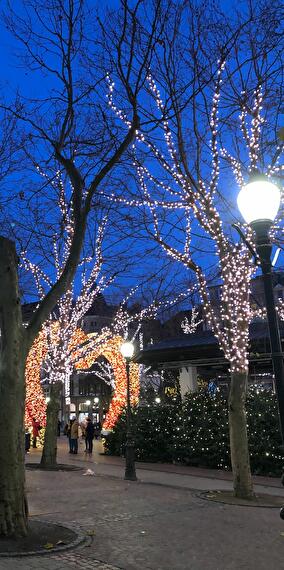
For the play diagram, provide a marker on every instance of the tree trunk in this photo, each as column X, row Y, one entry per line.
column 13, row 504
column 238, row 436
column 49, row 452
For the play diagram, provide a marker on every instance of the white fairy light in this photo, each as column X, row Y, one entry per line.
column 190, row 326
column 229, row 319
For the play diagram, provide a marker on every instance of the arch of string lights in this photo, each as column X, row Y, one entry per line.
column 35, row 400
column 83, row 360
column 111, row 351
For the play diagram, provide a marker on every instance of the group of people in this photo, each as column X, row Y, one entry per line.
column 89, row 431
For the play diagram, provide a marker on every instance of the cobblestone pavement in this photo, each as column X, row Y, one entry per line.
column 145, row 526
column 59, row 562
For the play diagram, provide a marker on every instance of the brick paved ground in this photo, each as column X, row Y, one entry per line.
column 149, row 526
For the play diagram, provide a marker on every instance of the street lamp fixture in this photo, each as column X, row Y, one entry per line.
column 96, row 400
column 127, row 351
column 47, row 399
column 259, row 203
column 88, row 402
column 158, row 400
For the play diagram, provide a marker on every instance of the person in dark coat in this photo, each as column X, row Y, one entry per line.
column 27, row 440
column 36, row 427
column 68, row 433
column 90, row 432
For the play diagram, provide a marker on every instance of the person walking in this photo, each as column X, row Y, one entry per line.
column 83, row 430
column 27, row 440
column 36, row 427
column 67, row 431
column 74, row 433
column 90, row 432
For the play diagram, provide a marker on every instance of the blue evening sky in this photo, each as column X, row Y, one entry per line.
column 14, row 76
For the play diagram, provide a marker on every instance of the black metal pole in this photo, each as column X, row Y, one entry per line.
column 263, row 248
column 130, row 472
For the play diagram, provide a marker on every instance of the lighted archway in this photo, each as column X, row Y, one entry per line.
column 35, row 401
column 110, row 349
column 83, row 359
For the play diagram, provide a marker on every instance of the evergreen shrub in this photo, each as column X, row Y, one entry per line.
column 196, row 432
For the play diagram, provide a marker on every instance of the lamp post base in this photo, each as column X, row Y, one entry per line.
column 130, row 472
column 130, row 477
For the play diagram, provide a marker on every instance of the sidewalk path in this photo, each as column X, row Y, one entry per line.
column 163, row 473
column 157, row 523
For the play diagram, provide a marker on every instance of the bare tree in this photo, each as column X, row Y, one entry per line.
column 184, row 146
column 66, row 127
column 60, row 328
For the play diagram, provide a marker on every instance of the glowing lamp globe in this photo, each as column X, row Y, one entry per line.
column 127, row 349
column 259, row 200
column 88, row 402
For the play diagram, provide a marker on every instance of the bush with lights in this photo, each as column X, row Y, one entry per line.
column 202, row 436
column 266, row 455
column 153, row 427
column 196, row 432
column 156, row 425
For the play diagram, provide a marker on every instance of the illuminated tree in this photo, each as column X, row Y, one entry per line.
column 64, row 125
column 61, row 344
column 60, row 328
column 63, row 347
column 229, row 319
column 187, row 206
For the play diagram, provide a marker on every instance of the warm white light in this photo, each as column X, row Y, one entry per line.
column 259, row 200
column 88, row 402
column 127, row 349
column 158, row 400
column 96, row 400
column 47, row 399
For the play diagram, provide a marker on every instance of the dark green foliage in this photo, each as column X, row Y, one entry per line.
column 196, row 432
column 202, row 438
column 264, row 433
column 153, row 431
column 115, row 442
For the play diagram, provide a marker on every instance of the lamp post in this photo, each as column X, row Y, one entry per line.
column 127, row 350
column 97, row 409
column 88, row 404
column 259, row 203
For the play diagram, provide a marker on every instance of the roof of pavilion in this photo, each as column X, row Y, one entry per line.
column 202, row 348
